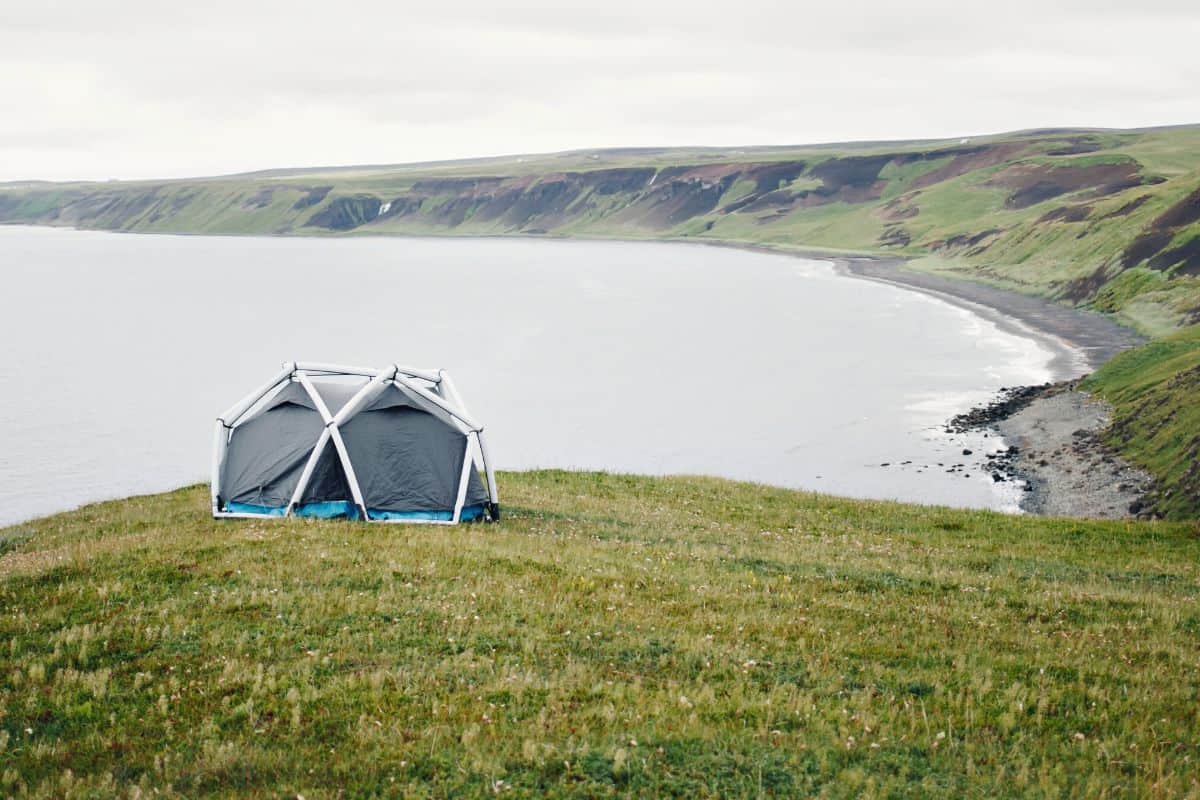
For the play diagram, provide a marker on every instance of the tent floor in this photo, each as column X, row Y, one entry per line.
column 340, row 509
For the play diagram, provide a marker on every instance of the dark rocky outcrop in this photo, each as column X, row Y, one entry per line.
column 1067, row 214
column 1185, row 258
column 1127, row 208
column 1153, row 245
column 1034, row 183
column 1185, row 212
column 345, row 213
column 311, row 198
column 1145, row 246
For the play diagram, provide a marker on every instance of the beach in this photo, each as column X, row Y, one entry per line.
column 1055, row 432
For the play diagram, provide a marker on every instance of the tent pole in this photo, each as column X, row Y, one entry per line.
column 463, row 482
column 231, row 416
column 220, row 444
column 372, row 388
column 338, row 369
column 491, row 474
column 431, row 375
column 331, row 425
column 450, row 390
column 381, row 376
column 404, row 377
column 425, row 394
column 451, row 418
column 306, row 475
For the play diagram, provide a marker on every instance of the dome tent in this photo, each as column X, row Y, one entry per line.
column 324, row 440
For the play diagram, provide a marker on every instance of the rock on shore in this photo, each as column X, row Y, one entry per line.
column 1055, row 447
column 1069, row 468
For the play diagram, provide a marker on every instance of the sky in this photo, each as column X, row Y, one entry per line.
column 139, row 89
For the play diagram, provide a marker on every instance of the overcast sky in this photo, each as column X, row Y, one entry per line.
column 132, row 88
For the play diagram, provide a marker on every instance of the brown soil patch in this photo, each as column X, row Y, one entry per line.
column 1116, row 187
column 1128, row 208
column 1185, row 258
column 312, row 197
column 853, row 171
column 680, row 200
column 963, row 241
column 710, row 173
column 895, row 236
column 1185, row 212
column 1086, row 287
column 1145, row 246
column 899, row 208
column 615, row 181
column 1067, row 214
column 344, row 213
column 1076, row 145
column 968, row 160
column 1036, row 183
column 768, row 177
column 260, row 199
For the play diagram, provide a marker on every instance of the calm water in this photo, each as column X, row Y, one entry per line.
column 119, row 350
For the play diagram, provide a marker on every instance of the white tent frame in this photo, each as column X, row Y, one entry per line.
column 448, row 405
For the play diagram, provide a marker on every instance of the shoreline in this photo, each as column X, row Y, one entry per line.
column 1057, row 449
column 1066, row 360
column 1079, row 476
column 1080, row 341
column 1077, row 342
column 1053, row 432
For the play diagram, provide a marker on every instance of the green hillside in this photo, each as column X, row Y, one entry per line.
column 1104, row 219
column 612, row 636
column 1155, row 391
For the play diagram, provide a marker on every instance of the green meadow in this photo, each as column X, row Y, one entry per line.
column 612, row 636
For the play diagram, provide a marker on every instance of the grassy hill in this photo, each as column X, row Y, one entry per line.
column 614, row 635
column 1155, row 391
column 1105, row 219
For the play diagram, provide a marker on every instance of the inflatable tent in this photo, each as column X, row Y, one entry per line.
column 324, row 440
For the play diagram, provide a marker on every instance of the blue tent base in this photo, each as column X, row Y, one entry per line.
column 340, row 509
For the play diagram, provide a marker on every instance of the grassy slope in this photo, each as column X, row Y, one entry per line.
column 1051, row 213
column 614, row 634
column 1155, row 391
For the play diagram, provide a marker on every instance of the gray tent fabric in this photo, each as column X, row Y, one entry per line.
column 328, row 483
column 334, row 394
column 267, row 454
column 411, row 460
column 407, row 455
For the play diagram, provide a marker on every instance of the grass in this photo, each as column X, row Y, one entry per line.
column 1155, row 391
column 614, row 635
